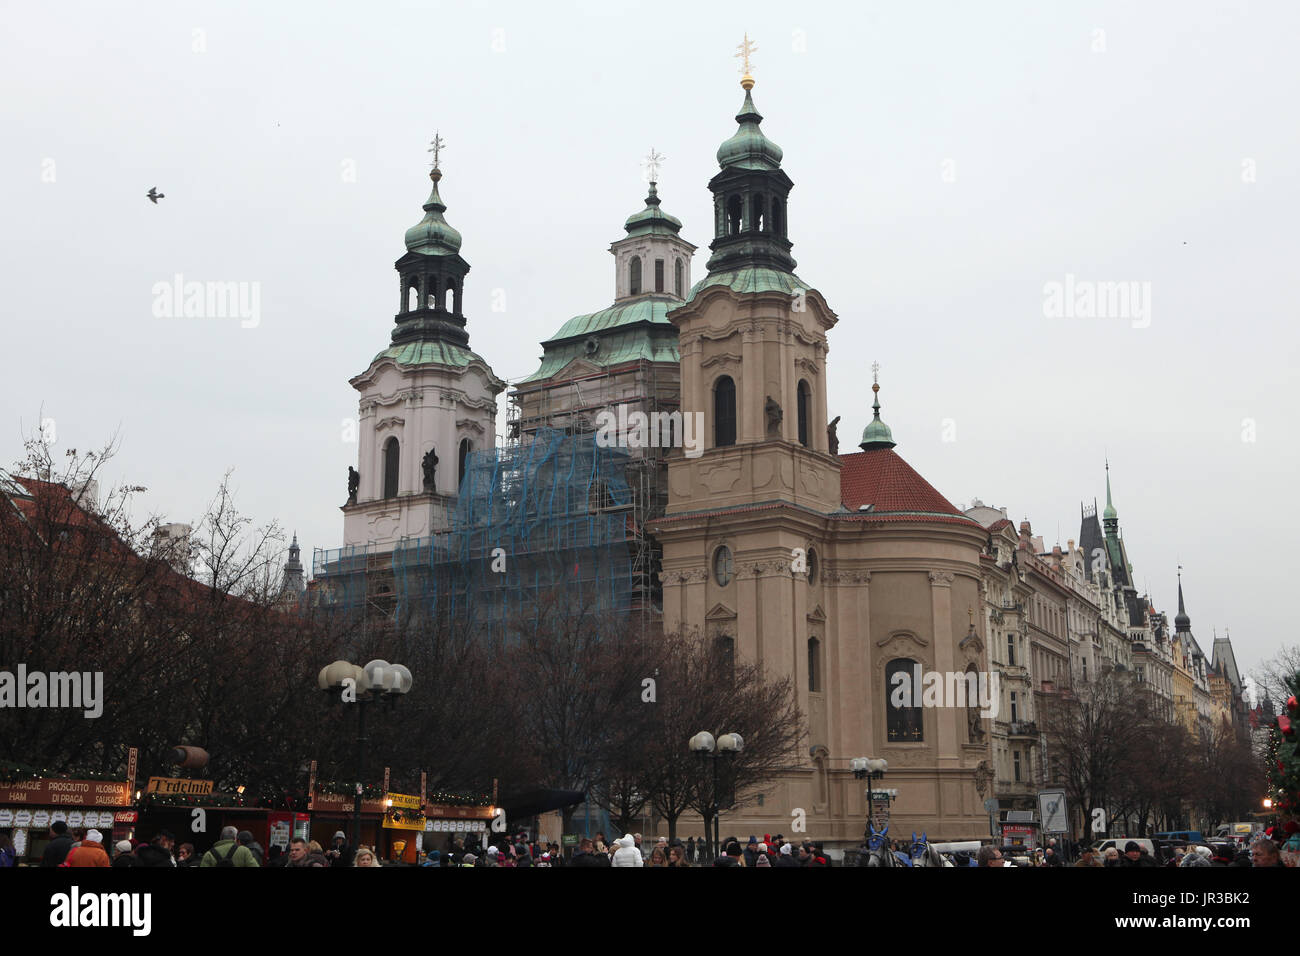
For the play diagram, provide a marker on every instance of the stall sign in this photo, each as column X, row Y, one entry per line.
column 41, row 818
column 178, row 785
column 76, row 818
column 6, row 818
column 23, row 818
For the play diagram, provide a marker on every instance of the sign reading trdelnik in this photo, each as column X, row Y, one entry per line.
column 178, row 785
column 45, row 791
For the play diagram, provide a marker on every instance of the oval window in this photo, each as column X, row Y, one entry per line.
column 722, row 568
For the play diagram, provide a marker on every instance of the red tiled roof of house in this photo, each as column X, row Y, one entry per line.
column 1000, row 524
column 882, row 479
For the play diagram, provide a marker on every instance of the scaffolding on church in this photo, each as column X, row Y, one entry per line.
column 550, row 508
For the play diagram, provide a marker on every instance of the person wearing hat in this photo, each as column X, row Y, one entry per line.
column 339, row 853
column 122, row 855
column 785, row 857
column 627, row 854
column 1088, row 857
column 751, row 851
column 1133, row 856
column 90, row 852
column 432, row 858
column 469, row 859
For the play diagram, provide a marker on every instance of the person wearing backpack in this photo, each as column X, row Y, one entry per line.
column 228, row 852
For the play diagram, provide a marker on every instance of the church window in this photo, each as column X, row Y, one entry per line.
column 757, row 219
column 466, row 446
column 392, row 461
column 903, row 723
column 805, row 403
column 722, row 566
column 412, row 296
column 634, row 276
column 814, row 665
column 446, row 298
column 734, row 208
column 724, row 645
column 724, row 412
column 659, row 275
column 677, row 279
column 431, row 292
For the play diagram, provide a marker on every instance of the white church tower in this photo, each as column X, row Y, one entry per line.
column 426, row 401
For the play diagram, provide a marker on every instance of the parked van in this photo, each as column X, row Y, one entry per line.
column 1118, row 843
column 1187, row 836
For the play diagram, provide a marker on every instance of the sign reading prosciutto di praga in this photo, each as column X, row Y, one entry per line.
column 45, row 791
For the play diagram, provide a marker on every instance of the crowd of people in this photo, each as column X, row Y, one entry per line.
column 239, row 848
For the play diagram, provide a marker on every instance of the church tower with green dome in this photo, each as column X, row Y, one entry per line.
column 426, row 401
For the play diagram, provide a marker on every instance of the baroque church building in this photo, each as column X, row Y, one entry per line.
column 837, row 571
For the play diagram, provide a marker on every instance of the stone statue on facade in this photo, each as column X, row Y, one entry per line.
column 833, row 439
column 430, row 465
column 354, row 482
column 774, row 416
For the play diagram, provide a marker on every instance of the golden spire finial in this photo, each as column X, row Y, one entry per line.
column 745, row 49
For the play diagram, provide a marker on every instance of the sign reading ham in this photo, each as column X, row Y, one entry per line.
column 50, row 792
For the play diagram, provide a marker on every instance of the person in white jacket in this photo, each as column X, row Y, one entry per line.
column 627, row 854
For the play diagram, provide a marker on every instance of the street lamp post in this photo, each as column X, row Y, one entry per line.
column 868, row 768
column 377, row 680
column 727, row 745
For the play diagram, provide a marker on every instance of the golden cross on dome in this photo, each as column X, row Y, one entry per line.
column 436, row 145
column 746, row 49
column 652, row 164
column 875, row 372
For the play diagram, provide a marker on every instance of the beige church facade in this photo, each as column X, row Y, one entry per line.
column 838, row 571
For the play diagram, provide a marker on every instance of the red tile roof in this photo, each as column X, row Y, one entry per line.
column 882, row 479
column 879, row 478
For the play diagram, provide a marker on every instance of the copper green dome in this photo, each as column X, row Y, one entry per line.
column 652, row 220
column 877, row 433
column 749, row 148
column 432, row 236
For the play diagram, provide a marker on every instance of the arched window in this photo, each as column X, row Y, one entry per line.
column 392, row 463
column 724, row 412
column 723, row 568
column 446, row 297
column 634, row 276
column 734, row 210
column 412, row 296
column 974, row 729
column 805, row 405
column 659, row 275
column 757, row 219
column 725, row 647
column 778, row 220
column 431, row 292
column 814, row 665
column 903, row 701
column 466, row 446
column 677, row 279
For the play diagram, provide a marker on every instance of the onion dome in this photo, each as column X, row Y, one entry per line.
column 652, row 220
column 749, row 148
column 877, row 433
column 432, row 236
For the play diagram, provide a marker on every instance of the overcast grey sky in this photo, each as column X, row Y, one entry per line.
column 949, row 160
